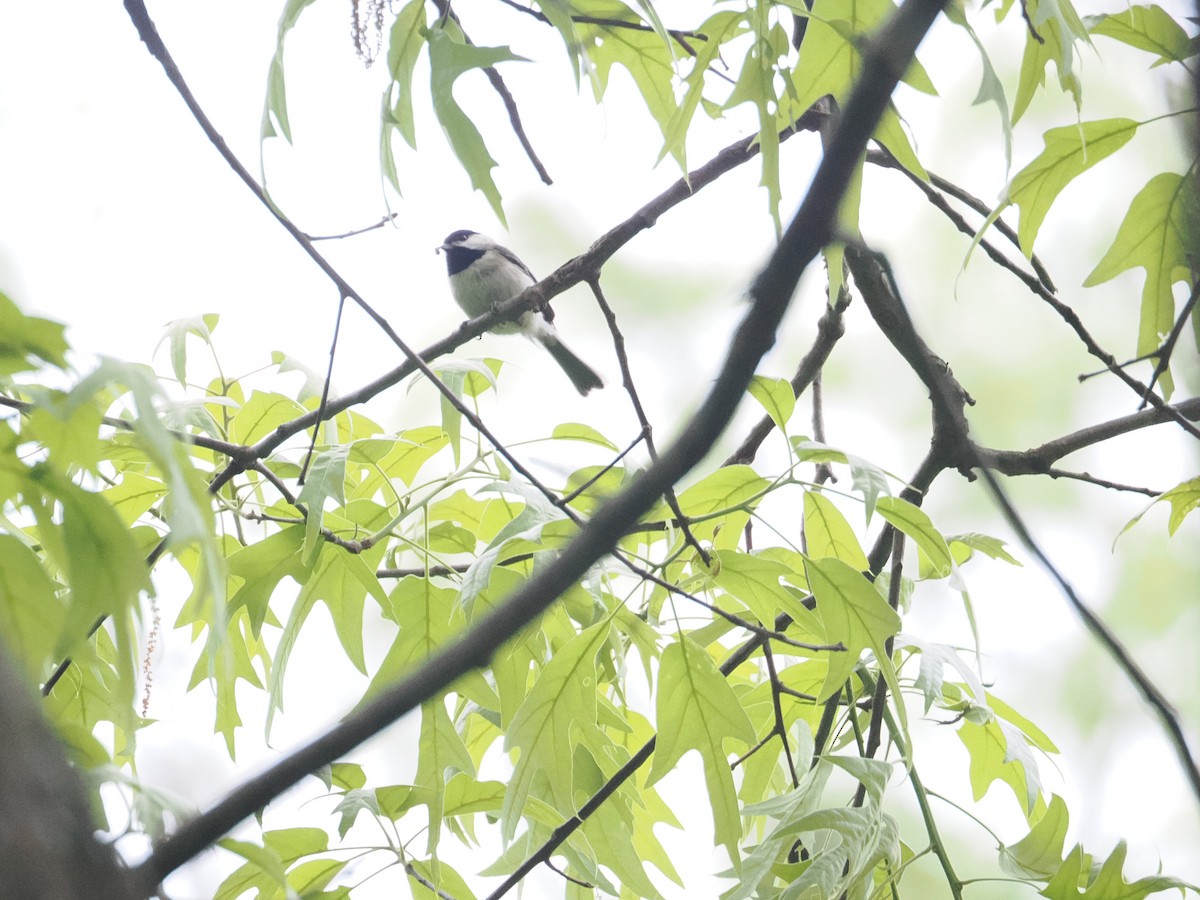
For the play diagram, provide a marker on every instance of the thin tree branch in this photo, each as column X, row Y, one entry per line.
column 829, row 329
column 1164, row 352
column 333, row 342
column 618, row 340
column 1065, row 312
column 881, row 157
column 354, row 233
column 1038, row 460
column 780, row 724
column 506, row 97
column 681, row 37
column 945, row 395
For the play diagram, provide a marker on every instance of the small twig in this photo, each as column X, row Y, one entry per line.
column 618, row 340
column 337, row 329
column 1029, row 22
column 824, row 729
column 1054, row 472
column 882, row 157
column 348, row 234
column 780, row 724
column 879, row 698
column 571, row 878
column 1039, row 460
column 604, row 471
column 1164, row 352
column 758, row 745
column 411, row 871
column 829, row 329
column 824, row 471
column 682, row 37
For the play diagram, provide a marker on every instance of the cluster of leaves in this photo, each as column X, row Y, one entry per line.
column 452, row 530
column 781, row 665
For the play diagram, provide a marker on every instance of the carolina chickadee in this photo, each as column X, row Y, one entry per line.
column 483, row 275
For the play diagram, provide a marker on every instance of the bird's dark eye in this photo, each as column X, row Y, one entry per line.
column 458, row 237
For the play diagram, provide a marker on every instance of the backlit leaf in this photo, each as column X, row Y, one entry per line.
column 696, row 709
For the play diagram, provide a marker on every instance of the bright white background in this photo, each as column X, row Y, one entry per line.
column 116, row 216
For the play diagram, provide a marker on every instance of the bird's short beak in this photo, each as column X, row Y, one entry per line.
column 440, row 247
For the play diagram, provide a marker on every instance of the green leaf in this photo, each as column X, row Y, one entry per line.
column 756, row 85
column 415, row 447
column 28, row 341
column 558, row 714
column 854, row 613
column 310, row 878
column 558, row 12
column 696, row 709
column 610, row 831
column 434, row 871
column 1150, row 28
column 261, row 566
column 341, row 581
column 482, row 377
column 1033, row 65
column 914, row 522
column 105, row 567
column 573, row 431
column 326, row 480
column 177, row 333
column 827, row 533
column 422, row 609
column 275, row 104
column 934, row 658
column 1032, row 733
column 756, row 582
column 133, row 495
column 1105, row 883
column 991, row 89
column 263, row 871
column 1068, row 153
column 441, row 752
column 1183, row 499
column 776, row 397
column 449, row 58
column 261, row 414
column 68, row 428
column 718, row 28
column 830, row 62
column 963, row 546
column 729, row 487
column 891, row 134
column 1000, row 753
column 31, row 614
column 405, row 41
column 869, row 480
column 1038, row 855
column 1156, row 234
column 649, row 62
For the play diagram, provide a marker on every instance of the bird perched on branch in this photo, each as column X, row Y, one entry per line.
column 484, row 274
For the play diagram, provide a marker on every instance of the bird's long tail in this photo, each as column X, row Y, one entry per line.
column 582, row 375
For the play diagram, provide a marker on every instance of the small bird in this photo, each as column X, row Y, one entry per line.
column 483, row 275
